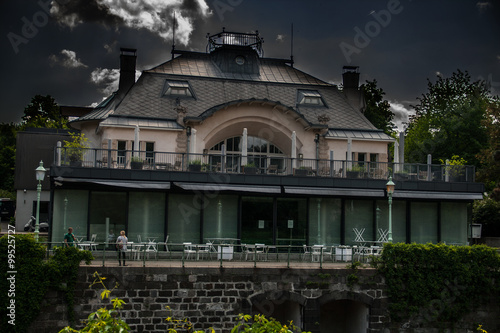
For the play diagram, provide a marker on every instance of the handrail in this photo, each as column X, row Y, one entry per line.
column 264, row 164
column 289, row 255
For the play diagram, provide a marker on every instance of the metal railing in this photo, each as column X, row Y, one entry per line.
column 227, row 255
column 262, row 164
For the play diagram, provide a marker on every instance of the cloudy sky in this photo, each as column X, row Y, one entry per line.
column 69, row 49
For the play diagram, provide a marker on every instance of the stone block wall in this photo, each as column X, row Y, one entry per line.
column 213, row 298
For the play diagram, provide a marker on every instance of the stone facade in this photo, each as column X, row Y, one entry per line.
column 318, row 300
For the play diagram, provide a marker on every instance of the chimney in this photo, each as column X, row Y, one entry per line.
column 350, row 81
column 350, row 77
column 127, row 69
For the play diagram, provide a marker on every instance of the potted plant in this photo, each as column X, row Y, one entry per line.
column 195, row 165
column 355, row 171
column 136, row 163
column 302, row 171
column 455, row 168
column 250, row 169
column 75, row 149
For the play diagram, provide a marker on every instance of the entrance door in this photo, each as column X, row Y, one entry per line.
column 257, row 220
column 291, row 226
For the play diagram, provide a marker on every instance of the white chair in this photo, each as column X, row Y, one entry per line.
column 93, row 243
column 139, row 238
column 189, row 249
column 166, row 246
column 306, row 253
column 316, row 252
column 151, row 247
column 204, row 250
column 260, row 249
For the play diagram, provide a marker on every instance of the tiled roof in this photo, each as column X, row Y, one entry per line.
column 200, row 65
column 276, row 82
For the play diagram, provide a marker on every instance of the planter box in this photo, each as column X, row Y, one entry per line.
column 352, row 174
column 249, row 170
column 300, row 172
column 136, row 165
column 195, row 167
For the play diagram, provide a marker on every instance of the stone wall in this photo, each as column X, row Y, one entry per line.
column 319, row 300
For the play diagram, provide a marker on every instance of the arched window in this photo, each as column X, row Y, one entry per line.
column 260, row 152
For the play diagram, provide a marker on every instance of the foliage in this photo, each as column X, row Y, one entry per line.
column 250, row 165
column 489, row 156
column 136, row 159
column 378, row 110
column 487, row 213
column 357, row 168
column 449, row 120
column 44, row 112
column 455, row 166
column 261, row 324
column 180, row 324
column 195, row 162
column 438, row 282
column 33, row 278
column 104, row 320
column 75, row 148
column 64, row 268
column 7, row 156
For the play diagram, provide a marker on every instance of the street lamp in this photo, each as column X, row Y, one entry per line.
column 40, row 175
column 390, row 190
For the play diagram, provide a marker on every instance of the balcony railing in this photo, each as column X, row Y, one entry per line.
column 260, row 164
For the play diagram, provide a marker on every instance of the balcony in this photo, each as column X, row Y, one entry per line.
column 260, row 164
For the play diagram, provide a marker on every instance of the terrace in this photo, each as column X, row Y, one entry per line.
column 260, row 164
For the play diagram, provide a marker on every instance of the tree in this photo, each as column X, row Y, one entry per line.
column 378, row 111
column 449, row 120
column 43, row 111
column 489, row 156
column 7, row 156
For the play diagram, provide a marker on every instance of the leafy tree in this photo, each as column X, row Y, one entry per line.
column 43, row 111
column 7, row 156
column 489, row 156
column 378, row 111
column 449, row 120
column 487, row 213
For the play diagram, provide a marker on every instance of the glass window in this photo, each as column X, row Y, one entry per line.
column 358, row 219
column 70, row 210
column 107, row 213
column 257, row 220
column 220, row 217
column 324, row 221
column 398, row 220
column 454, row 222
column 292, row 221
column 310, row 97
column 424, row 219
column 184, row 218
column 146, row 216
column 122, row 152
column 177, row 88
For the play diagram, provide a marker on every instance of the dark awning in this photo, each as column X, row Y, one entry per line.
column 437, row 195
column 228, row 187
column 117, row 183
column 334, row 191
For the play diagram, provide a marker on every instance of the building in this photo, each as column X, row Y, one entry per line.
column 229, row 144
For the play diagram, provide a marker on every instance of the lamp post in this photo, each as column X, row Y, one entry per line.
column 40, row 175
column 390, row 190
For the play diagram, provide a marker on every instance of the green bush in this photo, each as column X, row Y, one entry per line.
column 438, row 282
column 487, row 213
column 33, row 277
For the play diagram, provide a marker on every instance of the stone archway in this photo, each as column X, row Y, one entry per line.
column 284, row 306
column 344, row 316
column 344, row 312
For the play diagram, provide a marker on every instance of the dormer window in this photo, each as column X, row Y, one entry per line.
column 177, row 89
column 310, row 97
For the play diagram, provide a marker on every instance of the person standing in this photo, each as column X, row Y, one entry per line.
column 69, row 238
column 121, row 246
